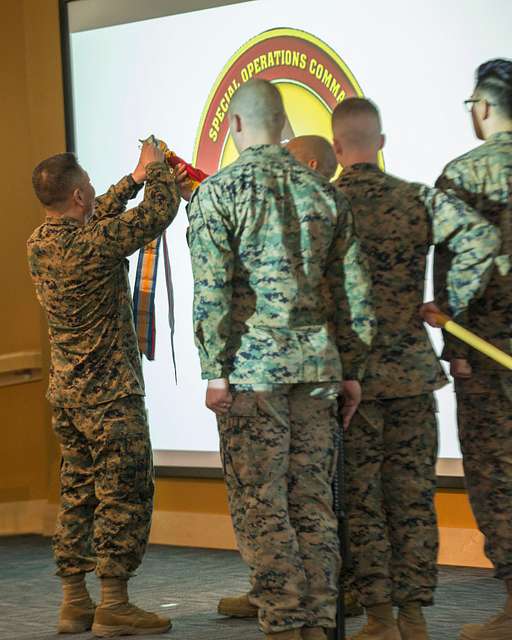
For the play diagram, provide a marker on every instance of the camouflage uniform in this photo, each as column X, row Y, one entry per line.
column 391, row 445
column 96, row 384
column 272, row 248
column 483, row 179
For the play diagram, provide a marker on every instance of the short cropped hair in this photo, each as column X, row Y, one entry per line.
column 494, row 77
column 55, row 179
column 354, row 107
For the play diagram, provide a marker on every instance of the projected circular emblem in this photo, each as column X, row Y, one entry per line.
column 312, row 79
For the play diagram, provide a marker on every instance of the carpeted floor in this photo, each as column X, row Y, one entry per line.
column 187, row 583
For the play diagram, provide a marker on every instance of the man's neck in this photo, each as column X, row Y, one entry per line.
column 360, row 158
column 501, row 126
column 68, row 213
column 257, row 138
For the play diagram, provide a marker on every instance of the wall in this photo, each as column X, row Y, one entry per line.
column 30, row 127
column 188, row 511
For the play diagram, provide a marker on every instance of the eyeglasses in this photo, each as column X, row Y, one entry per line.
column 468, row 104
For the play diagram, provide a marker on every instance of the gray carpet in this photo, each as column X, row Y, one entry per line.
column 187, row 583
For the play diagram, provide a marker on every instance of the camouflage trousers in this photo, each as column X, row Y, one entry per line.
column 484, row 410
column 106, row 487
column 390, row 456
column 279, row 456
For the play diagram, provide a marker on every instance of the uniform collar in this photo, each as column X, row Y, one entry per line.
column 501, row 136
column 263, row 151
column 358, row 168
column 55, row 219
column 361, row 166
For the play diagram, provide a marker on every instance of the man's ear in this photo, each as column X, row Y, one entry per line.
column 238, row 123
column 382, row 141
column 487, row 110
column 77, row 197
column 313, row 164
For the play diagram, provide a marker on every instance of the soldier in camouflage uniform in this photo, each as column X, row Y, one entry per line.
column 316, row 153
column 483, row 179
column 391, row 446
column 77, row 260
column 272, row 249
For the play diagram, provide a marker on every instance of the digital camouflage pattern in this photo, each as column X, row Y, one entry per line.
column 274, row 256
column 482, row 178
column 485, row 429
column 106, row 487
column 81, row 279
column 96, row 385
column 390, row 456
column 278, row 447
column 391, row 445
column 396, row 222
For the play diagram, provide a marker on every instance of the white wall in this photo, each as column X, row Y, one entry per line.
column 415, row 59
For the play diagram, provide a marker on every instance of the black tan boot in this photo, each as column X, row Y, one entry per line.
column 411, row 622
column 237, row 607
column 116, row 616
column 77, row 609
column 381, row 624
column 241, row 607
column 498, row 628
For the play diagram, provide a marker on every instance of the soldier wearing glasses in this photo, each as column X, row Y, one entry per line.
column 482, row 178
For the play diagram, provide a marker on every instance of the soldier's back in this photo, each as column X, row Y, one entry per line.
column 282, row 219
column 394, row 229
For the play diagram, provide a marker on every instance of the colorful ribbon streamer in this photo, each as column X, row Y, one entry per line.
column 144, row 298
column 147, row 270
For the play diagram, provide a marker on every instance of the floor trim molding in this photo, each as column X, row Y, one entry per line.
column 22, row 516
column 457, row 547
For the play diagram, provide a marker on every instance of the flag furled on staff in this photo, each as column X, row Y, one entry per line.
column 488, row 349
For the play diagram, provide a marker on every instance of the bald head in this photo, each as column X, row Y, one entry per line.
column 357, row 131
column 256, row 114
column 315, row 152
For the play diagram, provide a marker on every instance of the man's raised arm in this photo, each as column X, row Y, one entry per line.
column 114, row 201
column 117, row 236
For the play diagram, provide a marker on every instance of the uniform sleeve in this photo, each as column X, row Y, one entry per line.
column 119, row 235
column 114, row 201
column 350, row 285
column 451, row 181
column 466, row 246
column 213, row 267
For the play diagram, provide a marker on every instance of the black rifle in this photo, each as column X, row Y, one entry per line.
column 339, row 509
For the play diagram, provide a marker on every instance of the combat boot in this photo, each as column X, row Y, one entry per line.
column 237, row 607
column 116, row 616
column 77, row 609
column 411, row 622
column 381, row 624
column 241, row 607
column 498, row 628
